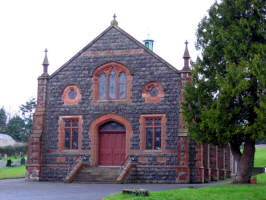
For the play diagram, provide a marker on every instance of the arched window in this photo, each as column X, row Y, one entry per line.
column 122, row 85
column 111, row 82
column 112, row 126
column 102, row 86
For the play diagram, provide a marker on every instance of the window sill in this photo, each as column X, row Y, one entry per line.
column 112, row 101
column 69, row 150
column 153, row 151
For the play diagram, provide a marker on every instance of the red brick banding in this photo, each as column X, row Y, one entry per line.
column 61, row 159
column 113, row 52
column 143, row 159
column 161, row 159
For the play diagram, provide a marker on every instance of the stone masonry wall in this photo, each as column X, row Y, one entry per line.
column 144, row 68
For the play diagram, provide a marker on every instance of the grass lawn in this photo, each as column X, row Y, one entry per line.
column 222, row 192
column 12, row 172
column 260, row 158
column 228, row 192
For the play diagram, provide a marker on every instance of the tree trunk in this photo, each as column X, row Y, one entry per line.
column 245, row 162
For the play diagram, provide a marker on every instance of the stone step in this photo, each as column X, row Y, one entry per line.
column 97, row 175
column 95, row 178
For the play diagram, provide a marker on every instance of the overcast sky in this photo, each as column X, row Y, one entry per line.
column 64, row 27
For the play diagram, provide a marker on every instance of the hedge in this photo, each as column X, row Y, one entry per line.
column 13, row 150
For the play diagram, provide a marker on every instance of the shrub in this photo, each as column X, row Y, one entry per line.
column 13, row 150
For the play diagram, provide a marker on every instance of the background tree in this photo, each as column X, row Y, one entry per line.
column 16, row 128
column 27, row 111
column 3, row 119
column 226, row 101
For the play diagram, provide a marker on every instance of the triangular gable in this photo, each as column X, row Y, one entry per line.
column 135, row 44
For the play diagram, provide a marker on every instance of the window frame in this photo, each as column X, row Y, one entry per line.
column 62, row 128
column 143, row 126
column 106, row 69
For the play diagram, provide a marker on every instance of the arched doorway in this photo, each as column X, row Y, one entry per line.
column 95, row 136
column 112, row 144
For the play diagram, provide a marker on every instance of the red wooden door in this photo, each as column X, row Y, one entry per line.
column 112, row 147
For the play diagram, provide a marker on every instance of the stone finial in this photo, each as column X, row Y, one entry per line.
column 45, row 63
column 186, row 53
column 186, row 57
column 114, row 22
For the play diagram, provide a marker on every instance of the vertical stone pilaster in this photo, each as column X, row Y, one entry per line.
column 183, row 172
column 196, row 162
column 227, row 162
column 214, row 163
column 199, row 163
column 34, row 142
column 206, row 163
column 221, row 163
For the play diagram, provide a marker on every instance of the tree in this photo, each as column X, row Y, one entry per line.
column 27, row 111
column 16, row 128
column 226, row 101
column 3, row 119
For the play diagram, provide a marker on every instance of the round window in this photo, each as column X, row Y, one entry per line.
column 154, row 91
column 72, row 94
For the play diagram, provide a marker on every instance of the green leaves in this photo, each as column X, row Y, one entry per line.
column 16, row 128
column 3, row 119
column 227, row 95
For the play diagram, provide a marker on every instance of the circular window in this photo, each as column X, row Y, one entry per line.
column 154, row 91
column 71, row 95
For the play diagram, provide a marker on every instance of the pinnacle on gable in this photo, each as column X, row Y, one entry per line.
column 186, row 57
column 114, row 22
column 186, row 53
column 45, row 63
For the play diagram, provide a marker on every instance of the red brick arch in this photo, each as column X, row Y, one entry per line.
column 94, row 133
column 106, row 68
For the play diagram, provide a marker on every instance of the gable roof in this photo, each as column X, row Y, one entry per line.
column 142, row 46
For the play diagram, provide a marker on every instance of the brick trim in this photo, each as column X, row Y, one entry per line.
column 157, row 166
column 146, row 92
column 94, row 134
column 142, row 121
column 106, row 68
column 113, row 52
column 61, row 133
column 65, row 97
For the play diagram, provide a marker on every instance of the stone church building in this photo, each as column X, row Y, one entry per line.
column 112, row 113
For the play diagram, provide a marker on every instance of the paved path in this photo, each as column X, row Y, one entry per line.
column 259, row 146
column 19, row 189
